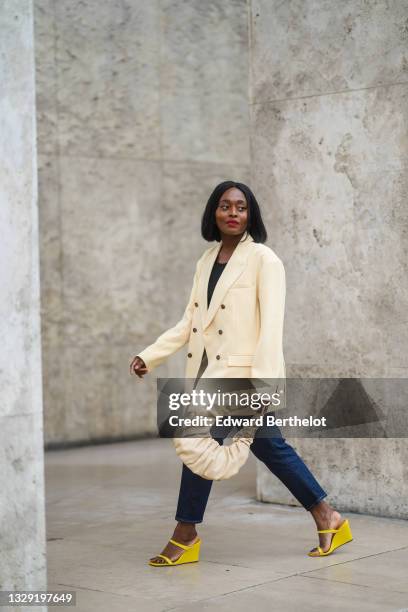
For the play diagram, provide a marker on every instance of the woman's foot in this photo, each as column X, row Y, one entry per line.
column 325, row 517
column 186, row 534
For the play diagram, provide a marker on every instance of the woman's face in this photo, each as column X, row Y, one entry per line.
column 231, row 215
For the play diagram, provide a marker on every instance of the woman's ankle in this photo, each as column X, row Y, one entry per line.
column 323, row 512
column 185, row 531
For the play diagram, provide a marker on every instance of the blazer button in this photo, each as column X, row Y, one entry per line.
column 194, row 329
column 195, row 303
column 220, row 331
column 190, row 355
column 218, row 357
column 222, row 305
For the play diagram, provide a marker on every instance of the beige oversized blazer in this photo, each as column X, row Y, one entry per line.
column 242, row 332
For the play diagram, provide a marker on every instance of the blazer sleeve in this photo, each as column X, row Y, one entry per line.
column 268, row 361
column 174, row 338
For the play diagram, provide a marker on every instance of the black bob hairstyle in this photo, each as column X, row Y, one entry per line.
column 255, row 225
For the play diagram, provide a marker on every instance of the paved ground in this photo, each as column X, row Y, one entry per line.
column 111, row 507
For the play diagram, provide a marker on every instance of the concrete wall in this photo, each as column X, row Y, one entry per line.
column 329, row 142
column 142, row 110
column 22, row 541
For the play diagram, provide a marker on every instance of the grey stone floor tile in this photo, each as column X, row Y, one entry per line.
column 122, row 571
column 390, row 570
column 303, row 594
column 90, row 600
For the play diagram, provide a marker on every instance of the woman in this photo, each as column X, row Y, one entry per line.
column 241, row 270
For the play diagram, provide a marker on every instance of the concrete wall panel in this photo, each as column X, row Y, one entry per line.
column 329, row 145
column 321, row 46
column 148, row 106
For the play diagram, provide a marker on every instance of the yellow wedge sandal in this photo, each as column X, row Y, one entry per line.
column 341, row 536
column 191, row 554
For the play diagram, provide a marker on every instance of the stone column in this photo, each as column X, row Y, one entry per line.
column 22, row 515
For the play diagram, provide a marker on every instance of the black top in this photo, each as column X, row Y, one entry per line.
column 212, row 281
column 214, row 277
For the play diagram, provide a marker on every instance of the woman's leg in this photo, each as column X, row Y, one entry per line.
column 193, row 497
column 192, row 501
column 283, row 461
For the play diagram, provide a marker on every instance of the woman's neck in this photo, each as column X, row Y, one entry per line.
column 228, row 246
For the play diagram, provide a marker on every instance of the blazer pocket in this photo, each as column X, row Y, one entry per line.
column 241, row 286
column 240, row 360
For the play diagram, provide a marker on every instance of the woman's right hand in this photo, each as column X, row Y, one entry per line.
column 138, row 367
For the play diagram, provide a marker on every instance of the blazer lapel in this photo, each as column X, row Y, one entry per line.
column 235, row 266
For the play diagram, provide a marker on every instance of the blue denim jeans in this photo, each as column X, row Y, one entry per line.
column 279, row 457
